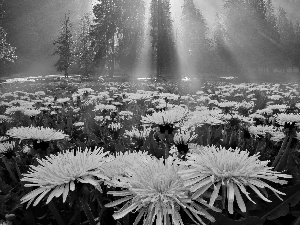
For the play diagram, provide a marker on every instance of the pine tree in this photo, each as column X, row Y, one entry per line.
column 84, row 51
column 287, row 39
column 164, row 52
column 7, row 52
column 247, row 29
column 64, row 49
column 193, row 37
column 297, row 45
column 105, row 32
column 132, row 30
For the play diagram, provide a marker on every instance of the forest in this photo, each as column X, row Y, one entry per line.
column 245, row 36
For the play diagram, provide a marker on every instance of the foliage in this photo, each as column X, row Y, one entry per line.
column 83, row 51
column 64, row 45
column 164, row 53
column 236, row 113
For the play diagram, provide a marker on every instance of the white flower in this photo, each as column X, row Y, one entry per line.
column 234, row 170
column 57, row 174
column 156, row 191
column 117, row 165
column 102, row 107
column 31, row 112
column 138, row 134
column 260, row 130
column 183, row 136
column 168, row 117
column 114, row 126
column 284, row 118
column 36, row 133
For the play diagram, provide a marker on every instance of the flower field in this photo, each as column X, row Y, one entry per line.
column 148, row 152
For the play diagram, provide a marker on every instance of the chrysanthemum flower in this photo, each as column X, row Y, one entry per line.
column 31, row 112
column 288, row 119
column 36, row 133
column 138, row 134
column 117, row 165
column 57, row 174
column 234, row 170
column 166, row 119
column 157, row 192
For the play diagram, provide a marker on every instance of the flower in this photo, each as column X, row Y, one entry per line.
column 31, row 112
column 260, row 130
column 138, row 134
column 114, row 126
column 156, row 191
column 232, row 169
column 166, row 119
column 117, row 165
column 171, row 116
column 102, row 107
column 183, row 136
column 36, row 133
column 285, row 118
column 57, row 174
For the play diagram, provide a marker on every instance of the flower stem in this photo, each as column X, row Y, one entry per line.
column 55, row 213
column 282, row 148
column 283, row 160
column 12, row 176
column 87, row 211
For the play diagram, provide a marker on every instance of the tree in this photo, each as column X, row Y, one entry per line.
column 249, row 33
column 7, row 52
column 223, row 59
column 287, row 38
column 297, row 45
column 118, row 33
column 64, row 49
column 132, row 32
column 164, row 52
column 105, row 32
column 193, row 38
column 83, row 49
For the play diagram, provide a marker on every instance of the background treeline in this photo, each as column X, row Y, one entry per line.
column 247, row 36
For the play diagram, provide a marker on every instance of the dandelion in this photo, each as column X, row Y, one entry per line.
column 43, row 134
column 232, row 169
column 57, row 174
column 117, row 165
column 288, row 120
column 31, row 112
column 138, row 134
column 166, row 119
column 157, row 192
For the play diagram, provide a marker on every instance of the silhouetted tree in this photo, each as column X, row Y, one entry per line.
column 163, row 45
column 251, row 37
column 287, row 38
column 7, row 52
column 193, row 39
column 297, row 45
column 132, row 32
column 105, row 32
column 64, row 45
column 83, row 49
